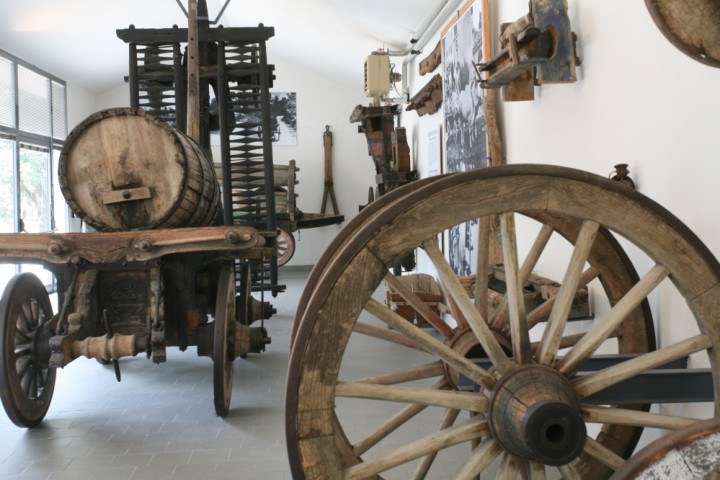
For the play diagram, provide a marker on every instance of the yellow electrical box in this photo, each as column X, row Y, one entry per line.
column 377, row 74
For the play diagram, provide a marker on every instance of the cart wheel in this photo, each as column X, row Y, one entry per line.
column 26, row 380
column 691, row 452
column 324, row 383
column 222, row 351
column 285, row 246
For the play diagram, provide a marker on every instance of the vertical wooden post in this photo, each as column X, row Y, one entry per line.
column 494, row 139
column 329, row 189
column 495, row 146
column 193, row 66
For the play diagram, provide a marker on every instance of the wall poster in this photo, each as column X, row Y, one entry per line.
column 465, row 133
column 283, row 118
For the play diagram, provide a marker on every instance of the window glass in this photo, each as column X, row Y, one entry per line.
column 7, row 188
column 34, row 188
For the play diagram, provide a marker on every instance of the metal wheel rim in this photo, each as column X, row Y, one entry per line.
column 26, row 398
column 547, row 177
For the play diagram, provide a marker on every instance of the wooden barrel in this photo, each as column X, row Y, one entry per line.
column 124, row 169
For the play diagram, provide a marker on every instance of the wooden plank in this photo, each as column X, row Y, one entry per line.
column 180, row 35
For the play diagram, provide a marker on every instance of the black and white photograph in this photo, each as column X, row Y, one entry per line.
column 283, row 118
column 465, row 133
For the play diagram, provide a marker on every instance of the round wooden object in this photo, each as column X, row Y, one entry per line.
column 337, row 326
column 27, row 381
column 693, row 26
column 124, row 169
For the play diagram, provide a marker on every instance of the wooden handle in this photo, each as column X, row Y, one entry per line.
column 193, row 66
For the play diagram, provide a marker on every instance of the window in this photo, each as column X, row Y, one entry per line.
column 33, row 127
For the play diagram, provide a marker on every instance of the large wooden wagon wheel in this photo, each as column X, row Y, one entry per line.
column 223, row 354
column 26, row 379
column 533, row 408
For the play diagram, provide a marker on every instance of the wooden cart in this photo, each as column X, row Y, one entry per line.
column 177, row 254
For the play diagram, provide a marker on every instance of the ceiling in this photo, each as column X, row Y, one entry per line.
column 75, row 40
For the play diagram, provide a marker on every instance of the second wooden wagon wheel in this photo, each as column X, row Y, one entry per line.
column 26, row 379
column 223, row 354
column 285, row 242
column 536, row 405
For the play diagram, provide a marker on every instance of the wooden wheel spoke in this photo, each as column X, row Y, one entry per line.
column 423, row 468
column 634, row 418
column 536, row 471
column 569, row 472
column 23, row 351
column 596, row 381
column 389, row 426
column 596, row 450
column 429, row 343
column 481, row 457
column 566, row 293
column 419, row 305
column 443, row 398
column 27, row 313
column 393, row 423
column 474, row 428
column 509, row 468
column 420, row 372
column 499, row 319
column 603, row 329
column 385, row 334
column 482, row 300
column 516, row 302
column 23, row 337
column 478, row 324
column 35, row 311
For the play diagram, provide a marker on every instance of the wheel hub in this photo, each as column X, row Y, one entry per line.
column 534, row 414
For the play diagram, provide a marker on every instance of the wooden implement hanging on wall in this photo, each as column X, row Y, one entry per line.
column 329, row 189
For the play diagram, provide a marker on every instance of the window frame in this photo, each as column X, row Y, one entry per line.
column 50, row 144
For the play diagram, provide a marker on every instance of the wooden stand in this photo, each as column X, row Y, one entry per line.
column 327, row 143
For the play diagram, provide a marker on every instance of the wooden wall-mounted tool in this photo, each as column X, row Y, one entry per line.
column 329, row 190
column 537, row 48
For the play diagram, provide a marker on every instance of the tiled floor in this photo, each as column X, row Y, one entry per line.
column 159, row 422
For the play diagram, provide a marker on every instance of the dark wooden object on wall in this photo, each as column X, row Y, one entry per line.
column 387, row 145
column 432, row 61
column 428, row 100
